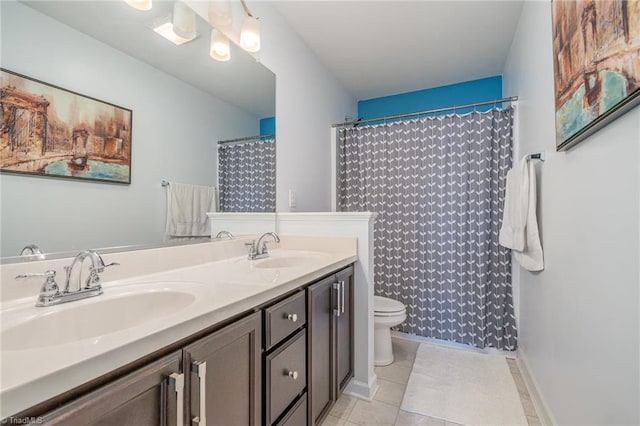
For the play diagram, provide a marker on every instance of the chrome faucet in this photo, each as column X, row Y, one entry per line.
column 32, row 250
column 224, row 233
column 259, row 250
column 50, row 293
column 93, row 280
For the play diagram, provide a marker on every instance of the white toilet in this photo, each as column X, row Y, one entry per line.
column 387, row 313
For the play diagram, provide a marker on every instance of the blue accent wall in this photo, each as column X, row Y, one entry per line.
column 485, row 89
column 267, row 125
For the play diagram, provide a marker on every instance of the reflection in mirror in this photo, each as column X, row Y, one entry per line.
column 182, row 100
column 247, row 174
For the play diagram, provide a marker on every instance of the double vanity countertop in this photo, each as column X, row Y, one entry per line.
column 49, row 350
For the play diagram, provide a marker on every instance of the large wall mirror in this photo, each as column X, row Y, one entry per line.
column 187, row 110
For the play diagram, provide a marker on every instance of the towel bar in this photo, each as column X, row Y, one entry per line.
column 537, row 156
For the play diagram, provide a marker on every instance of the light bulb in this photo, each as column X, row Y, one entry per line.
column 250, row 34
column 219, row 48
column 184, row 21
column 140, row 4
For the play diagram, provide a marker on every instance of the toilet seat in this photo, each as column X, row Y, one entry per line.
column 385, row 307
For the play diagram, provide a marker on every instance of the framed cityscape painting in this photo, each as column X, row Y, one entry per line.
column 596, row 52
column 50, row 131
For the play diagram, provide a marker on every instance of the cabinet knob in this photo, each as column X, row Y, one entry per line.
column 293, row 375
column 292, row 317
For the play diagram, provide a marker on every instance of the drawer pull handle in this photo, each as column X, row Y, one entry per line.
column 292, row 317
column 176, row 380
column 337, row 311
column 293, row 375
column 200, row 368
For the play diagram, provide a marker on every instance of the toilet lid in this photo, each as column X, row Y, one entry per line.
column 384, row 304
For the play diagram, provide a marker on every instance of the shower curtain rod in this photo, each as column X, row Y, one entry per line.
column 248, row 138
column 410, row 114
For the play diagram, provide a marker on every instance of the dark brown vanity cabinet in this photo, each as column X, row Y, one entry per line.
column 344, row 328
column 147, row 396
column 329, row 341
column 216, row 380
column 225, row 375
column 284, row 363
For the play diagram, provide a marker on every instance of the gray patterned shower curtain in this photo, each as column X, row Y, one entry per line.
column 438, row 184
column 247, row 176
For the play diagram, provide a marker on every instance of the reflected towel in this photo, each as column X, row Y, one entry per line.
column 519, row 230
column 187, row 207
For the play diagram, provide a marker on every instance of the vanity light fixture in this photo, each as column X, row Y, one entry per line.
column 250, row 31
column 220, row 13
column 140, row 4
column 219, row 49
column 184, row 21
column 166, row 31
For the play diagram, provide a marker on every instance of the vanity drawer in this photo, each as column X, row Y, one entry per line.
column 284, row 318
column 297, row 415
column 285, row 375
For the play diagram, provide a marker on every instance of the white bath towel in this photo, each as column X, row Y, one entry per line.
column 516, row 203
column 521, row 230
column 187, row 207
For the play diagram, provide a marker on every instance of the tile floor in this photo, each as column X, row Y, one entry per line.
column 385, row 408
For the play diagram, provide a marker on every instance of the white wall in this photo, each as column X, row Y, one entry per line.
column 579, row 318
column 175, row 127
column 308, row 100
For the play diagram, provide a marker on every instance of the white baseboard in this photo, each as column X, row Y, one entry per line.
column 541, row 406
column 362, row 390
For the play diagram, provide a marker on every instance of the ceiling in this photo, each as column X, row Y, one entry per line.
column 379, row 48
column 374, row 48
column 241, row 81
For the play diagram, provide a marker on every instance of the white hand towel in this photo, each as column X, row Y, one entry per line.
column 187, row 207
column 516, row 204
column 531, row 256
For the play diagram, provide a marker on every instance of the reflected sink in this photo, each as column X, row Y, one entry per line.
column 76, row 321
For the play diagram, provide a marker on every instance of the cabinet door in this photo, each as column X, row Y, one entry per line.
column 225, row 375
column 145, row 397
column 320, row 349
column 344, row 328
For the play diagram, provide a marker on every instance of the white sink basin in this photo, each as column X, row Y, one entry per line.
column 92, row 318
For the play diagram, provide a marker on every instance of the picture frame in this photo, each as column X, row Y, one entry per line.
column 50, row 131
column 596, row 59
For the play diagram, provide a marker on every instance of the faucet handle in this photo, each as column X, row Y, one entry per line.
column 252, row 249
column 50, row 273
column 101, row 266
column 264, row 250
column 94, row 279
column 50, row 286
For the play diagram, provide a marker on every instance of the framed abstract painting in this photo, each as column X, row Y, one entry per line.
column 50, row 131
column 596, row 55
